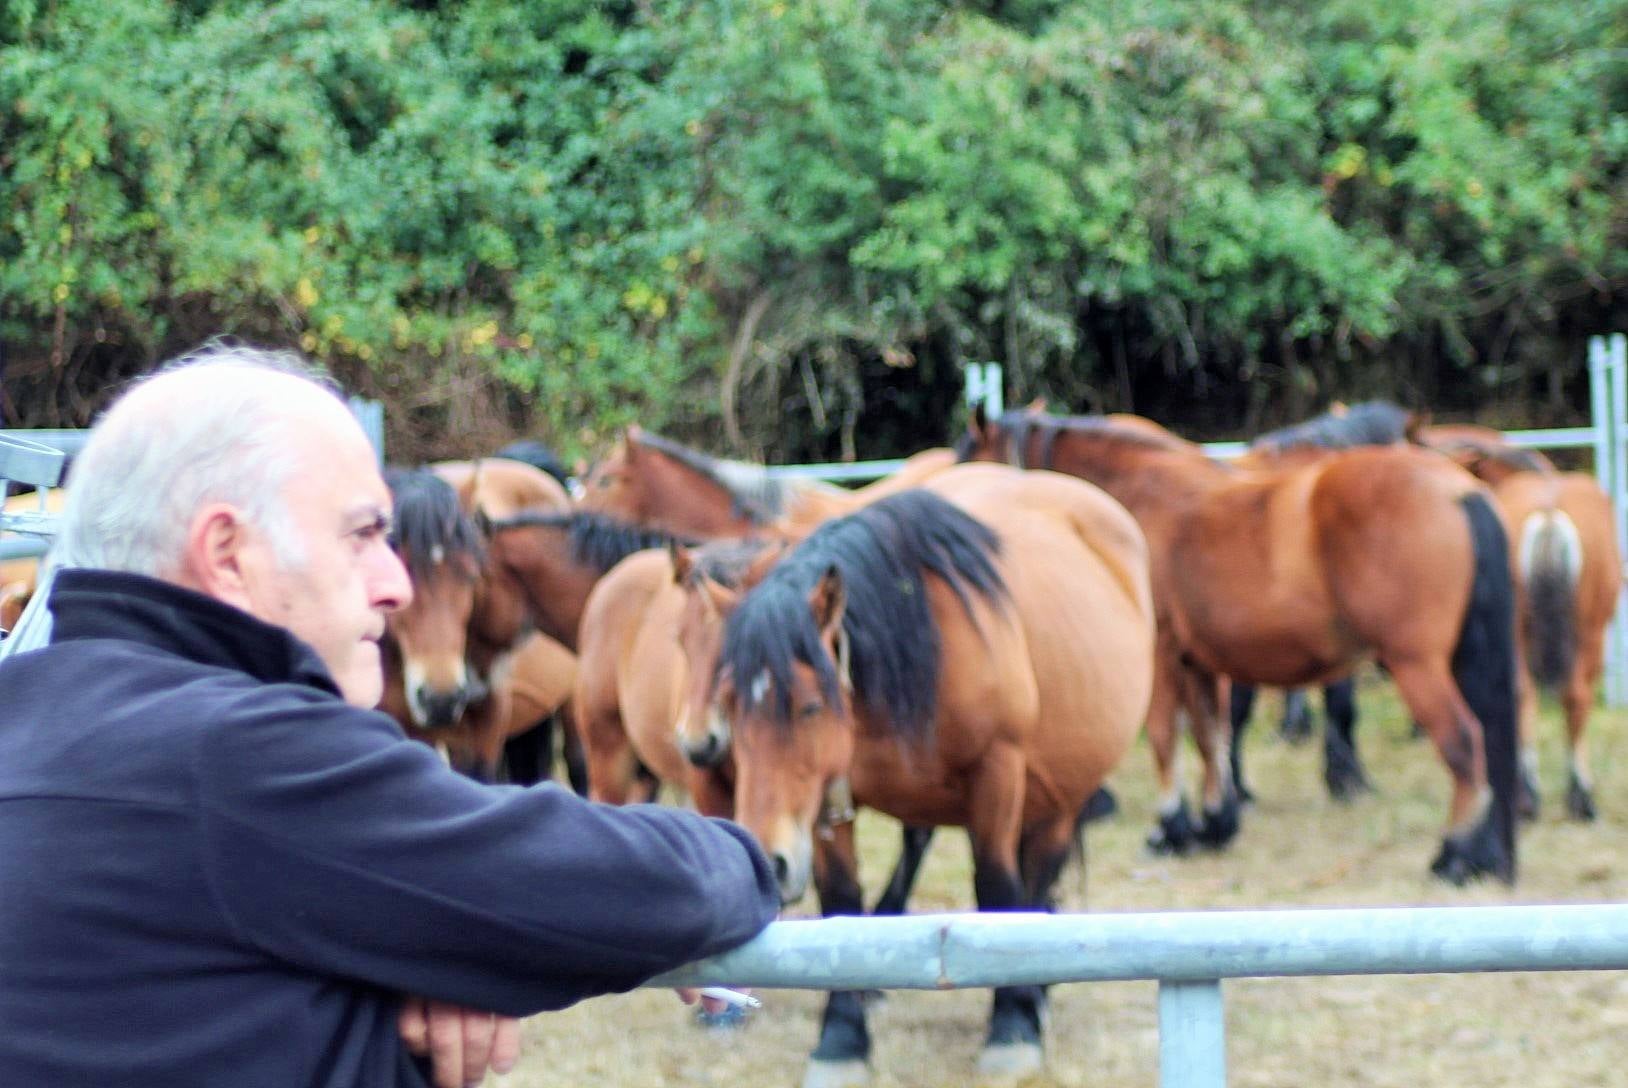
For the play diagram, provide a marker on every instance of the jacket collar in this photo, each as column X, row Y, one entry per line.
column 88, row 604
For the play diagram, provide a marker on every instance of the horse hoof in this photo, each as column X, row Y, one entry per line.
column 1100, row 805
column 1219, row 826
column 847, row 1073
column 1010, row 1061
column 1159, row 842
column 1473, row 856
column 1347, row 786
column 1580, row 803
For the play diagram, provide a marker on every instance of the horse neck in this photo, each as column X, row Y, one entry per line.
column 554, row 583
column 688, row 502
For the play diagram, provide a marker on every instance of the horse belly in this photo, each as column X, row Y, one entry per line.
column 914, row 787
column 1090, row 652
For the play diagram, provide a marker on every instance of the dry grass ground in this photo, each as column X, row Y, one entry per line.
column 1297, row 849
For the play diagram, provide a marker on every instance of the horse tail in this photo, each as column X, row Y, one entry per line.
column 1484, row 663
column 1550, row 562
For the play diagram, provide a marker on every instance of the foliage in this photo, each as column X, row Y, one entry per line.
column 797, row 220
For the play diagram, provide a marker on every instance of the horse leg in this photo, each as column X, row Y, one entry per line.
column 524, row 757
column 710, row 793
column 1296, row 725
column 1218, row 822
column 489, row 725
column 1577, row 701
column 912, row 848
column 842, row 1057
column 571, row 749
column 1530, row 798
column 1342, row 768
column 1470, row 846
column 612, row 767
column 1012, row 1048
column 1239, row 706
column 1173, row 833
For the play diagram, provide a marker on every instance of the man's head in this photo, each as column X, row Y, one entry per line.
column 240, row 474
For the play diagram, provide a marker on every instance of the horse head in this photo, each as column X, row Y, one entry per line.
column 612, row 484
column 712, row 580
column 443, row 553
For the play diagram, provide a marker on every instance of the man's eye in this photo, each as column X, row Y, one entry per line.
column 377, row 529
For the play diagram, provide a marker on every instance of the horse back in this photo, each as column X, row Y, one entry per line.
column 501, row 487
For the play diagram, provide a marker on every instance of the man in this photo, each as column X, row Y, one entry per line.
column 216, row 865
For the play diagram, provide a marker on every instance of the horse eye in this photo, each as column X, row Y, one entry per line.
column 809, row 710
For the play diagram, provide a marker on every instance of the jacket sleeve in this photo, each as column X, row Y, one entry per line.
column 333, row 843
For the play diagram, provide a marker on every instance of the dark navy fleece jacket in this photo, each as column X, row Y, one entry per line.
column 215, row 872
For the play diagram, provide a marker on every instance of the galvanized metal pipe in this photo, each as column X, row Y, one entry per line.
column 958, row 951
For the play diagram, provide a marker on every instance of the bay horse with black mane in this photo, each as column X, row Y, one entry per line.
column 1290, row 577
column 654, row 481
column 1342, row 427
column 977, row 653
column 457, row 675
column 1570, row 576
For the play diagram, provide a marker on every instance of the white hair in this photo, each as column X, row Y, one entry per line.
column 133, row 490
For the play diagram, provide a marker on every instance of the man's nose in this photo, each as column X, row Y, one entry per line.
column 389, row 587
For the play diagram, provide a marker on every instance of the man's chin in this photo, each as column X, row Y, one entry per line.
column 363, row 683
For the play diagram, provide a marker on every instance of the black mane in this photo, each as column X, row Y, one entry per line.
column 882, row 554
column 1019, row 423
column 596, row 540
column 528, row 451
column 1371, row 423
column 428, row 517
column 1515, row 457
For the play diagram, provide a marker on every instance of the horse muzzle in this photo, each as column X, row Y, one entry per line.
column 438, row 709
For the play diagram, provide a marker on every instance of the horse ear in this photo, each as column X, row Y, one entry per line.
column 632, row 439
column 829, row 600
column 1036, row 406
column 763, row 562
column 1413, row 430
column 1339, row 409
column 978, row 422
column 683, row 560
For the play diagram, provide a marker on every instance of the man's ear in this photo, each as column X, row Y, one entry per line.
column 216, row 559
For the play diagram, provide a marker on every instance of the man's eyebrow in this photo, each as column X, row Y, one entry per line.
column 369, row 515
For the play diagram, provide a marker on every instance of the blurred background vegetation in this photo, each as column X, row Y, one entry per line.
column 778, row 229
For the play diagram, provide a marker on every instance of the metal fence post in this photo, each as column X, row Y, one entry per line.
column 1608, row 388
column 1192, row 1035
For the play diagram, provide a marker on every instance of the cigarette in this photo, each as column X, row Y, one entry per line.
column 732, row 997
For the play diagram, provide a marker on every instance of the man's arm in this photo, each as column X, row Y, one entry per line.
column 337, row 845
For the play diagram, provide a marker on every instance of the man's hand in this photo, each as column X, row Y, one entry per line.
column 461, row 1043
column 713, row 1005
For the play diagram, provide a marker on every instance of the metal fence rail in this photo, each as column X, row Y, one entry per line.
column 1188, row 953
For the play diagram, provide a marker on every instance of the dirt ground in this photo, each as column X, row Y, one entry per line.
column 1297, row 849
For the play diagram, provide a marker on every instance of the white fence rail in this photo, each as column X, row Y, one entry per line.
column 1189, row 953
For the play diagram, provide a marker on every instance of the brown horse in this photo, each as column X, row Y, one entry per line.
column 451, row 650
column 974, row 654
column 1342, row 427
column 1291, row 577
column 633, row 679
column 1569, row 573
column 652, row 481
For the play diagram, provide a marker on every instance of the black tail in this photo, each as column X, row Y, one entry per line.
column 1551, row 600
column 1484, row 664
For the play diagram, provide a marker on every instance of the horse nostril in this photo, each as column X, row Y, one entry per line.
column 782, row 869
